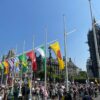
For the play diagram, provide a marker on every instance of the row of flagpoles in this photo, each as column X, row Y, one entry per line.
column 20, row 64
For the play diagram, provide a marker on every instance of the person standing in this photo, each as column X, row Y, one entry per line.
column 86, row 96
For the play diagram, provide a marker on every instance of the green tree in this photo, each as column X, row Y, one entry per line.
column 81, row 75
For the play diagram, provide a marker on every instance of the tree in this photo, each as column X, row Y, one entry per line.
column 81, row 75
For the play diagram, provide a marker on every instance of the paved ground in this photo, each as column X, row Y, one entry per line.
column 98, row 98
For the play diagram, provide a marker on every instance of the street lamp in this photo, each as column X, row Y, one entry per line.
column 65, row 49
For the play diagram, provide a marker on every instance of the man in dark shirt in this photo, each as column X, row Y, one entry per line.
column 87, row 97
column 68, row 96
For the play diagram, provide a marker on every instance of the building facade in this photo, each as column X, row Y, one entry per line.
column 73, row 70
column 53, row 63
column 94, row 66
column 89, row 68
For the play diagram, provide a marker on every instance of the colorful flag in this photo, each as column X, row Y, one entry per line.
column 14, row 65
column 56, row 48
column 6, row 67
column 17, row 69
column 32, row 56
column 11, row 65
column 23, row 60
column 16, row 61
column 1, row 66
column 41, row 50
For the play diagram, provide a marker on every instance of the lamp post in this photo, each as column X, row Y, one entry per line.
column 65, row 49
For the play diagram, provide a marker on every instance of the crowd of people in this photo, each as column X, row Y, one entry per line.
column 54, row 91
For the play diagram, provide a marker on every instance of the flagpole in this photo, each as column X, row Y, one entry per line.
column 31, row 74
column 65, row 49
column 20, row 94
column 1, row 75
column 15, row 56
column 13, row 76
column 32, row 60
column 6, row 80
column 45, row 62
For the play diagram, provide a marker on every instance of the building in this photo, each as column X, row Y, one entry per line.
column 94, row 66
column 53, row 63
column 89, row 70
column 73, row 70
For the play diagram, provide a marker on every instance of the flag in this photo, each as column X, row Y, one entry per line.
column 16, row 64
column 23, row 60
column 6, row 66
column 56, row 48
column 41, row 50
column 32, row 56
column 16, row 61
column 17, row 69
column 1, row 66
column 11, row 65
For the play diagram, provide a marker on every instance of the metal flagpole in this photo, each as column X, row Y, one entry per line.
column 30, row 98
column 45, row 62
column 65, row 47
column 20, row 94
column 32, row 62
column 13, row 79
column 95, row 39
column 1, row 74
column 6, row 80
column 14, row 65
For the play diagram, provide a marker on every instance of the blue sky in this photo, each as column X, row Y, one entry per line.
column 22, row 19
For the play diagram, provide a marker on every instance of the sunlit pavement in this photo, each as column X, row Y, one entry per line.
column 98, row 98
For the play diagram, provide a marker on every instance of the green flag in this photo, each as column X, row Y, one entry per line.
column 1, row 66
column 24, row 69
column 23, row 60
column 24, row 63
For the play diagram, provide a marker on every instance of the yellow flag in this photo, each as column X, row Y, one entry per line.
column 6, row 66
column 56, row 48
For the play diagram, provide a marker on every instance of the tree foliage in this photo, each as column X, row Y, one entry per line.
column 81, row 75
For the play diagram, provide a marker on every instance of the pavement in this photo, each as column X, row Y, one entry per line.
column 98, row 98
